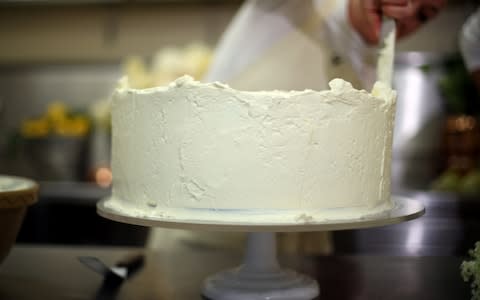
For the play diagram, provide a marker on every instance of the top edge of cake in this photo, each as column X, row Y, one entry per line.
column 338, row 86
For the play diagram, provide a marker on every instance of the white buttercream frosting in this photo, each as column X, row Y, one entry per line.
column 206, row 151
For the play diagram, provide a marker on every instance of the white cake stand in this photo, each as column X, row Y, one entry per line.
column 260, row 277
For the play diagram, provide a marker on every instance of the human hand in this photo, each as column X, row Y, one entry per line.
column 366, row 15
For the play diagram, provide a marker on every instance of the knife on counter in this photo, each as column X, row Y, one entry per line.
column 113, row 277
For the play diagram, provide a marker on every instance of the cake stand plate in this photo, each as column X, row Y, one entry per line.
column 403, row 209
column 260, row 276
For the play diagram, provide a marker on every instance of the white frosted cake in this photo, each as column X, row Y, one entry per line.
column 195, row 151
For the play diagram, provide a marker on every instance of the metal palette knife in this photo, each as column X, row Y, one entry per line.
column 386, row 51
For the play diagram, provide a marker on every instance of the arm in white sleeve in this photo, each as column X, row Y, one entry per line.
column 470, row 42
column 255, row 27
column 259, row 24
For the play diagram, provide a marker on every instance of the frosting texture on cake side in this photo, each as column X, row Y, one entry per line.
column 194, row 150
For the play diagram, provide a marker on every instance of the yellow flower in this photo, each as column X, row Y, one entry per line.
column 56, row 111
column 35, row 128
column 75, row 126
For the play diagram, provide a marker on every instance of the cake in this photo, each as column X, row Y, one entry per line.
column 207, row 152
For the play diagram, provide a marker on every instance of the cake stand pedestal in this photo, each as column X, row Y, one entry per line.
column 260, row 277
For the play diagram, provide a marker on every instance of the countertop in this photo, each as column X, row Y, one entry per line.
column 66, row 214
column 53, row 272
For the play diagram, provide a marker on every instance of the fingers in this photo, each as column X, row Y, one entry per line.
column 393, row 2
column 401, row 11
column 421, row 9
column 372, row 13
column 366, row 15
column 370, row 5
column 407, row 26
column 411, row 17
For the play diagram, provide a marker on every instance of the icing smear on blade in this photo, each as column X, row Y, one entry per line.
column 383, row 91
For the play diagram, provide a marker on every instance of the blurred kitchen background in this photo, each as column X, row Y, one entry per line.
column 60, row 61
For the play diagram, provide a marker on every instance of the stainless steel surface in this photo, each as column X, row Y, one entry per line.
column 94, row 264
column 404, row 209
column 57, row 158
column 419, row 119
column 122, row 269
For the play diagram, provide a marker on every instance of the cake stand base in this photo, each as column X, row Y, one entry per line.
column 260, row 276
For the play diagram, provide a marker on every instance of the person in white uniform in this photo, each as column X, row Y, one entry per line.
column 296, row 45
column 470, row 46
column 282, row 44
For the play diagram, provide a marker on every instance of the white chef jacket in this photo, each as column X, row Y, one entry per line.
column 470, row 42
column 292, row 44
column 288, row 45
